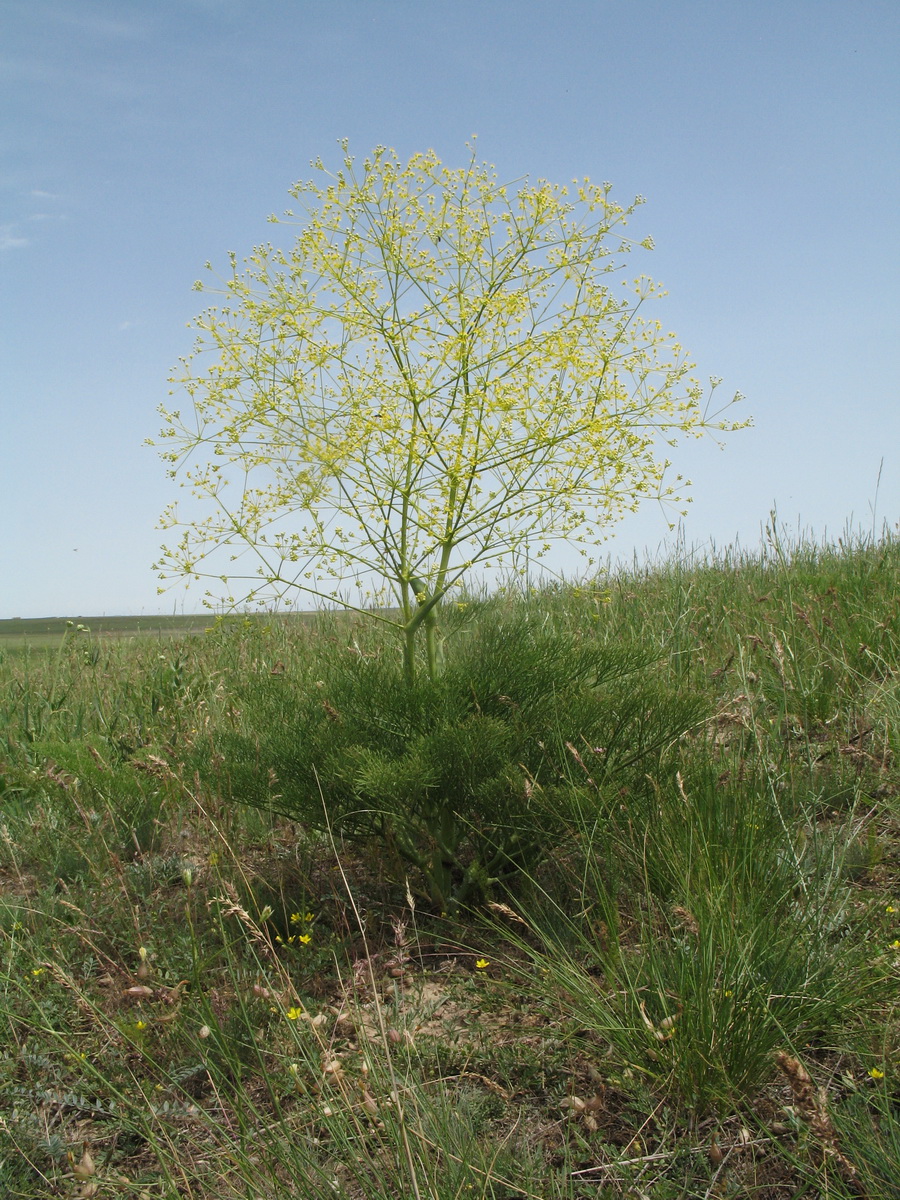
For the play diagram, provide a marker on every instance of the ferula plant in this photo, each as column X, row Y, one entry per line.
column 438, row 375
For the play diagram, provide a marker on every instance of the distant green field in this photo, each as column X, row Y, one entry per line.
column 48, row 632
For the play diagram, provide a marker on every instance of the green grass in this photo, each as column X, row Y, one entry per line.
column 610, row 909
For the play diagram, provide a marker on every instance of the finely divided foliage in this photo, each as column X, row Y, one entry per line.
column 439, row 373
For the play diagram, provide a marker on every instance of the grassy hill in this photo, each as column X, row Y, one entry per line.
column 611, row 908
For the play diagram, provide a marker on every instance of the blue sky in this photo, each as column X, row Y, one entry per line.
column 142, row 137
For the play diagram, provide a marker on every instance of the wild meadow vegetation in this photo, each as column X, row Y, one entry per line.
column 609, row 905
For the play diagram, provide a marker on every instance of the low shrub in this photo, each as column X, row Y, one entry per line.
column 467, row 778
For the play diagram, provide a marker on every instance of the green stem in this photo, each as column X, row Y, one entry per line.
column 431, row 646
column 409, row 654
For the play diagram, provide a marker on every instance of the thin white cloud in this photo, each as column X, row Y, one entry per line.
column 102, row 26
column 10, row 240
column 93, row 23
column 26, row 70
column 218, row 6
column 40, row 194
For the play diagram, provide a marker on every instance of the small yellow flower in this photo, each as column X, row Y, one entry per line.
column 37, row 971
column 895, row 945
column 139, row 1025
column 294, row 1014
column 876, row 1074
column 890, row 909
column 481, row 964
column 305, row 938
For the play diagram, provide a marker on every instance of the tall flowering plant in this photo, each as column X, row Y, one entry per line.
column 443, row 372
